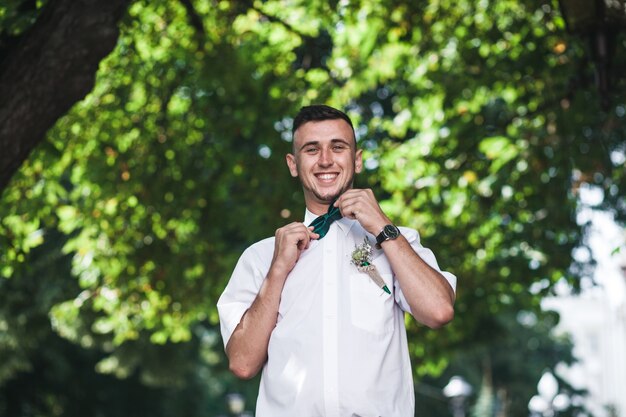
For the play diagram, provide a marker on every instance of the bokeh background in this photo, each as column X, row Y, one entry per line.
column 482, row 122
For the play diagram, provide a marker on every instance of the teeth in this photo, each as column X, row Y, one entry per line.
column 327, row 176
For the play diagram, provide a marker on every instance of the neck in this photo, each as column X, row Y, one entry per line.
column 316, row 209
column 319, row 207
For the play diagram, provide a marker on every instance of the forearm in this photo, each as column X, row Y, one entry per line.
column 247, row 346
column 428, row 293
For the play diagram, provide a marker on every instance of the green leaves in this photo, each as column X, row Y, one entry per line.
column 499, row 150
column 477, row 123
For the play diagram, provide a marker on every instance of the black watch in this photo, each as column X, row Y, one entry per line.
column 389, row 232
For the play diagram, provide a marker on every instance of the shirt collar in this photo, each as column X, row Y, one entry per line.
column 344, row 223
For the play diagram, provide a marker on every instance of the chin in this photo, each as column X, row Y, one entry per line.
column 327, row 198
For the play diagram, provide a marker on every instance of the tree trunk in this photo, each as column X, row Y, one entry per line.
column 49, row 69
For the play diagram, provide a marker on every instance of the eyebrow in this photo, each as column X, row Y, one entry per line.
column 316, row 142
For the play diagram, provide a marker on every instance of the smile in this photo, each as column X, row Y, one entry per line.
column 327, row 177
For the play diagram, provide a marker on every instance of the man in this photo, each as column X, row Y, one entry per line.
column 330, row 341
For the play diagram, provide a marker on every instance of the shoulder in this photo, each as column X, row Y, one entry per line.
column 263, row 244
column 260, row 250
column 256, row 258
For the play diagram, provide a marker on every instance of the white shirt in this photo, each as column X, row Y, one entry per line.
column 339, row 348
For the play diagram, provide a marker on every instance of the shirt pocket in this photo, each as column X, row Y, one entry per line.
column 371, row 308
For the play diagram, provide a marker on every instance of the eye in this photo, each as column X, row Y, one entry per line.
column 339, row 147
column 310, row 150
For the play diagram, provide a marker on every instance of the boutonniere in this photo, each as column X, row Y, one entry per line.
column 362, row 259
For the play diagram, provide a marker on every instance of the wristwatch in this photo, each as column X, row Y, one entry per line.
column 389, row 232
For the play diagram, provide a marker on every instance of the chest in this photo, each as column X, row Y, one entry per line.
column 325, row 286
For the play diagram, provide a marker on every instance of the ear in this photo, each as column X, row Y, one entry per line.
column 291, row 163
column 358, row 161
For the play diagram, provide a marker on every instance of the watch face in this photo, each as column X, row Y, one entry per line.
column 391, row 231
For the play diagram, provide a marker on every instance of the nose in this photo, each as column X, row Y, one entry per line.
column 325, row 158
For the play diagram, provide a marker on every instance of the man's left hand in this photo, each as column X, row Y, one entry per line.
column 362, row 205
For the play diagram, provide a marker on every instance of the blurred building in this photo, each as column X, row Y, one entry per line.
column 596, row 321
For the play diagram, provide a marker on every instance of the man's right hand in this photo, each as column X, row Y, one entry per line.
column 247, row 347
column 290, row 241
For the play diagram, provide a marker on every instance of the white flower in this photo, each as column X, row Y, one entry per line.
column 362, row 254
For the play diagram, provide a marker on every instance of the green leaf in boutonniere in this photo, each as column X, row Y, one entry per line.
column 362, row 254
column 362, row 259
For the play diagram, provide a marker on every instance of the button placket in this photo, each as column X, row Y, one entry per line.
column 330, row 325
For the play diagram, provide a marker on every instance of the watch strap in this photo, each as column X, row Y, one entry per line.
column 383, row 236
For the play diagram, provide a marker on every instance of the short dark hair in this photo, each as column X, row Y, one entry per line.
column 318, row 113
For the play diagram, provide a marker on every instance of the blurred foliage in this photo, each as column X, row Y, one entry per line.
column 480, row 124
column 16, row 16
column 503, row 373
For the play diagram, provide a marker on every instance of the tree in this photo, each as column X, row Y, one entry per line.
column 48, row 59
column 474, row 117
column 44, row 373
column 504, row 370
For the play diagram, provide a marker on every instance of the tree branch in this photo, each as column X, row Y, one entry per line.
column 196, row 22
column 49, row 69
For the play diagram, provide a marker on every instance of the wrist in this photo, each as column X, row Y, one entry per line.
column 278, row 271
column 388, row 232
column 379, row 225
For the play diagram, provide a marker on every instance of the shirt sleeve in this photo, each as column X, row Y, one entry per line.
column 240, row 292
column 413, row 237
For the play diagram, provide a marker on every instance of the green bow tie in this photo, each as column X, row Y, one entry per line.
column 323, row 222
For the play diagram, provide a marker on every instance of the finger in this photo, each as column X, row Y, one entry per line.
column 288, row 228
column 312, row 234
column 293, row 233
column 303, row 243
column 351, row 194
column 304, row 237
column 349, row 199
column 296, row 231
column 349, row 209
column 341, row 199
column 302, row 240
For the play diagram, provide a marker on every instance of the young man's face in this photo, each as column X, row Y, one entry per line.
column 325, row 158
